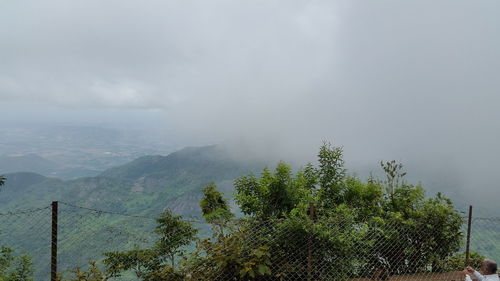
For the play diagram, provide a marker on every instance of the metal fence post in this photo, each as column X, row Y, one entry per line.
column 467, row 246
column 53, row 256
column 312, row 217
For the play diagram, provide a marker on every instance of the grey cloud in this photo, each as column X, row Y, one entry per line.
column 415, row 81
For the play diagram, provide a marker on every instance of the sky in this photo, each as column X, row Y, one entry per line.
column 415, row 81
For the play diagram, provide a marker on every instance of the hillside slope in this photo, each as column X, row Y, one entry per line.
column 146, row 185
column 27, row 163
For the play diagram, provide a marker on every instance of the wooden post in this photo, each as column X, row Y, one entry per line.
column 467, row 246
column 53, row 256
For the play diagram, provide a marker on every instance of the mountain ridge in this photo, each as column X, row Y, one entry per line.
column 148, row 184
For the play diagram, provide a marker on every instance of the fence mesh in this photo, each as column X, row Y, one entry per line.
column 28, row 232
column 85, row 234
column 339, row 251
column 485, row 237
column 290, row 250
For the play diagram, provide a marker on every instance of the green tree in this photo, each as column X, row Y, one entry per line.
column 387, row 224
column 15, row 268
column 214, row 207
column 93, row 273
column 159, row 261
column 229, row 253
column 422, row 232
column 331, row 175
column 2, row 181
column 273, row 195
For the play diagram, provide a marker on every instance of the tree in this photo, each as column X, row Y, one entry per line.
column 394, row 226
column 15, row 268
column 2, row 180
column 229, row 254
column 421, row 232
column 214, row 206
column 305, row 215
column 273, row 195
column 93, row 273
column 159, row 261
column 331, row 175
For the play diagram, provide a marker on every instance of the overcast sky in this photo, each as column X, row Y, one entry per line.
column 416, row 81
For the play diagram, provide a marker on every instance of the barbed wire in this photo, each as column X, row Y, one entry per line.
column 24, row 211
column 496, row 219
column 193, row 219
column 105, row 212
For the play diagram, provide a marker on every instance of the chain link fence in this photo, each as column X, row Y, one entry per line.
column 485, row 237
column 28, row 232
column 253, row 250
column 334, row 251
column 84, row 234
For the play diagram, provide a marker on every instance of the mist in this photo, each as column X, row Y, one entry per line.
column 415, row 81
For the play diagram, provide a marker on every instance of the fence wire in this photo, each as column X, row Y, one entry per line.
column 272, row 250
column 485, row 237
column 85, row 234
column 28, row 232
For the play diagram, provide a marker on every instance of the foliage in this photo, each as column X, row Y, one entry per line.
column 14, row 268
column 330, row 239
column 158, row 261
column 2, row 180
column 214, row 207
column 426, row 231
column 273, row 195
column 230, row 256
column 422, row 230
column 457, row 261
column 331, row 175
column 93, row 273
column 393, row 173
column 174, row 234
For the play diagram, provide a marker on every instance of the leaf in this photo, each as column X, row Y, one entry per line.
column 263, row 269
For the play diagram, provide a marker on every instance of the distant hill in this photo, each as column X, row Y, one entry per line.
column 148, row 184
column 35, row 163
column 26, row 163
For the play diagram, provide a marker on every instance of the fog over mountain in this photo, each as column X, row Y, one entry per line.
column 415, row 81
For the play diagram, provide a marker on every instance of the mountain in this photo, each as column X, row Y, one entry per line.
column 146, row 185
column 30, row 162
column 34, row 163
column 26, row 190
